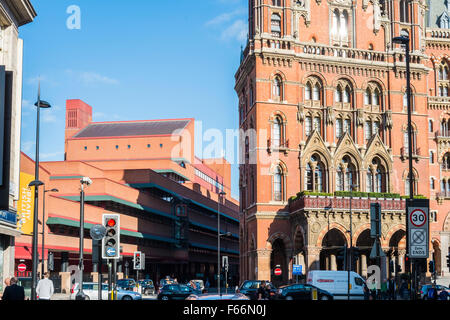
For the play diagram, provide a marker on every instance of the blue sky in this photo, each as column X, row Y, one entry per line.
column 139, row 59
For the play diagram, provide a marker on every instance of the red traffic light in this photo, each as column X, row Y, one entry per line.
column 111, row 223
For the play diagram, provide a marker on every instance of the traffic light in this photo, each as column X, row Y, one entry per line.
column 342, row 255
column 431, row 266
column 111, row 241
column 407, row 265
column 398, row 268
column 391, row 265
column 137, row 264
column 448, row 261
column 51, row 262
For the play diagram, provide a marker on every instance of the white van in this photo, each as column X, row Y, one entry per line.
column 335, row 282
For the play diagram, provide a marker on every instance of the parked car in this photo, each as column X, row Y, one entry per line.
column 425, row 288
column 336, row 283
column 175, row 292
column 90, row 289
column 199, row 284
column 215, row 296
column 147, row 286
column 302, row 292
column 250, row 289
column 126, row 284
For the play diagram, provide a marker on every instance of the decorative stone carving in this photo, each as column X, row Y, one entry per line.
column 300, row 112
column 360, row 117
column 388, row 123
column 315, row 227
column 330, row 116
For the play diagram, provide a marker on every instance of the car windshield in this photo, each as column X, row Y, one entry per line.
column 251, row 285
column 184, row 288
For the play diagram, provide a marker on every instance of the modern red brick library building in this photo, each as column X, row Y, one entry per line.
column 325, row 83
column 145, row 171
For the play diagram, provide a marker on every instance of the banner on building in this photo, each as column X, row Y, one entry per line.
column 25, row 206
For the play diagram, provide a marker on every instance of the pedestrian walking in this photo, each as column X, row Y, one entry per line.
column 262, row 293
column 403, row 290
column 45, row 288
column 14, row 292
column 7, row 284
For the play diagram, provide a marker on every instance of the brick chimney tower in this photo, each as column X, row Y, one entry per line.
column 78, row 116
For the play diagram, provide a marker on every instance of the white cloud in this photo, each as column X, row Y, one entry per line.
column 92, row 77
column 89, row 77
column 51, row 156
column 238, row 31
column 27, row 146
column 225, row 17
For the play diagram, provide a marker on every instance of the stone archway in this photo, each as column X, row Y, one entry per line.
column 299, row 251
column 278, row 257
column 397, row 248
column 364, row 243
column 333, row 241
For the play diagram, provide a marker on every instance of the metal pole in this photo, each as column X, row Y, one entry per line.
column 100, row 280
column 351, row 244
column 81, row 266
column 36, row 205
column 115, row 278
column 218, row 246
column 110, row 292
column 410, row 148
column 43, row 230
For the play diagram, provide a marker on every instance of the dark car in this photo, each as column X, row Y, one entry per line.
column 425, row 288
column 175, row 292
column 302, row 292
column 147, row 286
column 126, row 284
column 250, row 289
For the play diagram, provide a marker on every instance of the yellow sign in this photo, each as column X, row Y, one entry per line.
column 25, row 205
column 314, row 294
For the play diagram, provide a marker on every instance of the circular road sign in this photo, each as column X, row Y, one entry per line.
column 98, row 232
column 418, row 218
column 22, row 267
column 277, row 271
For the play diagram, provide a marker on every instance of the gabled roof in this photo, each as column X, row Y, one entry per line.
column 132, row 128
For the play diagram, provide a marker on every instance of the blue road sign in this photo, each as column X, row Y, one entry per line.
column 111, row 252
column 297, row 270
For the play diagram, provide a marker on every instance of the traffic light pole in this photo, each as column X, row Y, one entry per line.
column 110, row 293
column 100, row 280
column 80, row 294
column 115, row 279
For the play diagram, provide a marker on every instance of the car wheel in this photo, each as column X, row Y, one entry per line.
column 289, row 298
column 127, row 298
column 165, row 298
column 324, row 298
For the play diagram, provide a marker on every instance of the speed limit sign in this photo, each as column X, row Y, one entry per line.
column 418, row 228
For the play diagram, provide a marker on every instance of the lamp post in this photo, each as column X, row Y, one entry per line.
column 43, row 229
column 350, row 255
column 39, row 104
column 404, row 40
column 84, row 181
column 221, row 194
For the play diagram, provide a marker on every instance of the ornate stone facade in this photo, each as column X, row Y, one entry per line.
column 340, row 98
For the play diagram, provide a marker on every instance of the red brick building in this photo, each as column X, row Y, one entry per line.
column 324, row 87
column 146, row 171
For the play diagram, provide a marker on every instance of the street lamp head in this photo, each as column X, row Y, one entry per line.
column 35, row 183
column 54, row 190
column 401, row 40
column 43, row 104
column 86, row 180
column 222, row 193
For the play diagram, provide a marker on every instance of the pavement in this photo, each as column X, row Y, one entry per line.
column 65, row 296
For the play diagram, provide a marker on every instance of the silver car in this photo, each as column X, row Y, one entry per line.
column 90, row 289
column 215, row 296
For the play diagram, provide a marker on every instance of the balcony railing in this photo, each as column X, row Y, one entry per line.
column 436, row 33
column 277, row 145
column 443, row 194
column 339, row 203
column 404, row 153
column 350, row 53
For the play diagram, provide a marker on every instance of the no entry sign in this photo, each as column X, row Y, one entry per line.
column 418, row 228
column 22, row 267
column 277, row 271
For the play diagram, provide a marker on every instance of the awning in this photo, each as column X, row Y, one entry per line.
column 134, row 234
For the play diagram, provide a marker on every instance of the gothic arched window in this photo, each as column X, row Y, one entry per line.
column 276, row 26
column 277, row 132
column 277, row 87
column 278, row 184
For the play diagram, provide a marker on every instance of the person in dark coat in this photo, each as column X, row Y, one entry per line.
column 366, row 292
column 14, row 292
